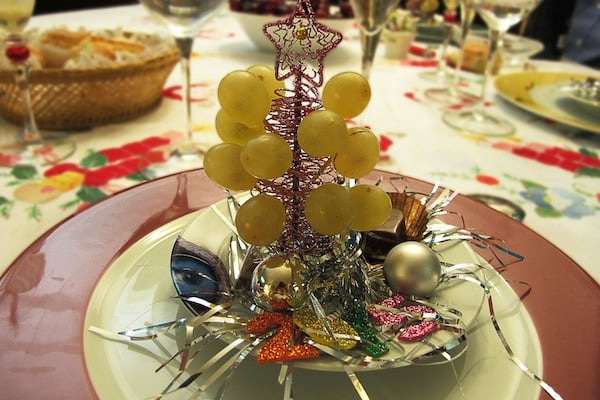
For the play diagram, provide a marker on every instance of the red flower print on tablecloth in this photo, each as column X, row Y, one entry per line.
column 487, row 179
column 97, row 175
column 201, row 92
column 385, row 142
column 581, row 162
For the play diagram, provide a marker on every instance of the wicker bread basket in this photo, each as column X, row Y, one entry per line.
column 76, row 99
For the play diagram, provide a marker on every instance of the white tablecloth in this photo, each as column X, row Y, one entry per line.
column 561, row 204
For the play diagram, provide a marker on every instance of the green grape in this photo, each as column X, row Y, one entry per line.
column 244, row 97
column 359, row 155
column 322, row 133
column 328, row 209
column 260, row 220
column 222, row 165
column 347, row 93
column 234, row 132
column 267, row 156
column 371, row 207
column 267, row 75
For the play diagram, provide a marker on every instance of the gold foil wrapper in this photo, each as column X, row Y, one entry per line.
column 408, row 222
column 414, row 216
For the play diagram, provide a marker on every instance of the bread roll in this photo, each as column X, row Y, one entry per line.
column 58, row 45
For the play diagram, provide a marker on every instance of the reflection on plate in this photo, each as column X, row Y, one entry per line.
column 537, row 92
column 137, row 290
column 586, row 92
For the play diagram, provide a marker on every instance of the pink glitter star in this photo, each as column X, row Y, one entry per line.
column 301, row 44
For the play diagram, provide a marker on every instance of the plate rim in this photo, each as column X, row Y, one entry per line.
column 521, row 97
column 577, row 381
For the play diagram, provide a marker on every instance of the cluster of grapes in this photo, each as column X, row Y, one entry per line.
column 249, row 154
column 322, row 8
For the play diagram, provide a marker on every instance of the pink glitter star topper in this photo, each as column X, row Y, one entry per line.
column 301, row 44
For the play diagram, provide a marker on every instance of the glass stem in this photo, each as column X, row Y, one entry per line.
column 31, row 133
column 185, row 50
column 369, row 42
column 467, row 14
column 441, row 59
column 489, row 68
column 524, row 23
column 464, row 30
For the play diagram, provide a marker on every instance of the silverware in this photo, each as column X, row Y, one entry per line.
column 501, row 204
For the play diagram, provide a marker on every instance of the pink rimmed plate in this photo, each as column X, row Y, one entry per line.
column 46, row 291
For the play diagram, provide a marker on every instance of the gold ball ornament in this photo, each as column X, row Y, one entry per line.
column 412, row 268
column 275, row 284
column 301, row 33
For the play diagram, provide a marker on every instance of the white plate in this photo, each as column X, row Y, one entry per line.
column 137, row 290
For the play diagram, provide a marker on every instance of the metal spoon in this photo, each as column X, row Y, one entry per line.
column 501, row 204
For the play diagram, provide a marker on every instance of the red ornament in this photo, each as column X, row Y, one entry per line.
column 18, row 53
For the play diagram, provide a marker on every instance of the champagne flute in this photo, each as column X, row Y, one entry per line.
column 441, row 73
column 30, row 144
column 451, row 93
column 371, row 16
column 183, row 19
column 499, row 15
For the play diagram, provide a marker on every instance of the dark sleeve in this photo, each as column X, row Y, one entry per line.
column 547, row 23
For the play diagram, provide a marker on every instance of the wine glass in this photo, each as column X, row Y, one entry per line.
column 371, row 16
column 518, row 42
column 451, row 94
column 183, row 19
column 441, row 73
column 499, row 16
column 30, row 145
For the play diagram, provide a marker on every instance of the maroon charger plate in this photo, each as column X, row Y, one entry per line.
column 45, row 292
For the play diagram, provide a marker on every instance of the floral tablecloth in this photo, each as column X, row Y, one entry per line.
column 552, row 171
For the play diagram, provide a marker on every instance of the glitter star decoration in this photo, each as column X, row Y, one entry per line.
column 301, row 44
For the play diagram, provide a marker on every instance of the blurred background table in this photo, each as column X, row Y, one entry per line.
column 552, row 171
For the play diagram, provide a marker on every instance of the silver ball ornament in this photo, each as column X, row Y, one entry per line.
column 277, row 283
column 412, row 268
